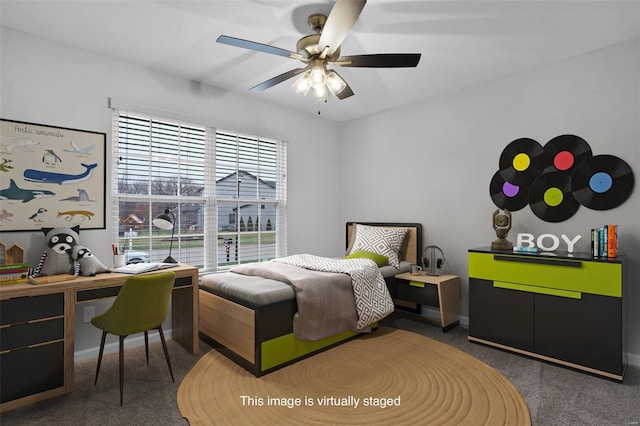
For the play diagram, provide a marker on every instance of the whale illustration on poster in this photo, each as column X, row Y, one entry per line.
column 43, row 176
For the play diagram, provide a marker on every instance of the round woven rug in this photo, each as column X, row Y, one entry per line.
column 390, row 377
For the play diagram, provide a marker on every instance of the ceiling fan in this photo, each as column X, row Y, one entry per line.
column 321, row 49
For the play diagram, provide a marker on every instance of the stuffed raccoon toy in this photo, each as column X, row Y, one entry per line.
column 56, row 258
column 88, row 263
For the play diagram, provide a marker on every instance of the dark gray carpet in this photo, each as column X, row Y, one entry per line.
column 555, row 395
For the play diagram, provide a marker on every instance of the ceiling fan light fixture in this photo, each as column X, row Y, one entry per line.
column 335, row 83
column 303, row 84
column 320, row 93
column 317, row 76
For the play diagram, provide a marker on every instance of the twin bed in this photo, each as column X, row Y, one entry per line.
column 267, row 315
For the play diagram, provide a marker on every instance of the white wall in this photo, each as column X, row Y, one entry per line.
column 432, row 162
column 48, row 83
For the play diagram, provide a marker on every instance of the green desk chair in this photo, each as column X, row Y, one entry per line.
column 141, row 305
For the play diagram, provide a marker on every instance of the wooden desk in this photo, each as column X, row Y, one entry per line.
column 37, row 330
column 413, row 287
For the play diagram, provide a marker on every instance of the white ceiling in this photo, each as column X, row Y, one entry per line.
column 462, row 42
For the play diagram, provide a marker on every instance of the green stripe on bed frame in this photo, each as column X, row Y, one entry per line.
column 286, row 348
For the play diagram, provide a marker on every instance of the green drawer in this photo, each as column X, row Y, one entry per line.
column 600, row 278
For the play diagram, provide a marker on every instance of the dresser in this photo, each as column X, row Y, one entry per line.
column 563, row 308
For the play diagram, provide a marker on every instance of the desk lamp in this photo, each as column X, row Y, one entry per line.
column 167, row 221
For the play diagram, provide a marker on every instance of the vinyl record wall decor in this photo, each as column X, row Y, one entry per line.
column 555, row 180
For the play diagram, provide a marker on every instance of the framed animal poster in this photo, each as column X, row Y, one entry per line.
column 51, row 177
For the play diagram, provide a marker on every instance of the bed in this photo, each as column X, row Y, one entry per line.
column 253, row 315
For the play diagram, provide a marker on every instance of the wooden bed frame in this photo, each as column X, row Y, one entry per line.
column 260, row 337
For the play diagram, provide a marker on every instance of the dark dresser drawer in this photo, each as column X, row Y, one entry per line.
column 23, row 309
column 27, row 334
column 29, row 371
column 419, row 293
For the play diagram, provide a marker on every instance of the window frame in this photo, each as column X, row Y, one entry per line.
column 214, row 242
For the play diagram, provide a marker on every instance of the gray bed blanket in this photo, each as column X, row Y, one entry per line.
column 333, row 295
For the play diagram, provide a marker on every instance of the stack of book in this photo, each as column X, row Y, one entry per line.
column 604, row 241
column 14, row 273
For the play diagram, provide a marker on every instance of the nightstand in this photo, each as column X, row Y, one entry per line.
column 419, row 288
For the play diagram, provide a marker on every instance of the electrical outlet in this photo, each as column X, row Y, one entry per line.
column 88, row 312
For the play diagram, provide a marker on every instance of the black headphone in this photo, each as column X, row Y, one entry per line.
column 431, row 261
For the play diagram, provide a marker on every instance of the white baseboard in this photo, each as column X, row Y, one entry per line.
column 129, row 342
column 433, row 313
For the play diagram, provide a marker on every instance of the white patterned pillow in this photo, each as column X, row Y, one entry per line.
column 386, row 241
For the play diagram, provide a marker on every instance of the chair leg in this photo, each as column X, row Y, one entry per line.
column 104, row 336
column 121, row 366
column 166, row 352
column 146, row 344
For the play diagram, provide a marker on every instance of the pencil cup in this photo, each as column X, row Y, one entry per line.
column 118, row 260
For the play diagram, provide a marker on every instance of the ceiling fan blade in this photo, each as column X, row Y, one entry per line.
column 258, row 47
column 341, row 18
column 277, row 79
column 381, row 60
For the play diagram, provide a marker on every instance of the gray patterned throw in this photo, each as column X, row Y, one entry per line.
column 373, row 301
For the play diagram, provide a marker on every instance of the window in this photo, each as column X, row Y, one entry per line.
column 226, row 192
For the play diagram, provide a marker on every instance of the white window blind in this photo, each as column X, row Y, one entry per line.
column 226, row 191
column 250, row 196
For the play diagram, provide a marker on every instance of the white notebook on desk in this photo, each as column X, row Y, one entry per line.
column 139, row 268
